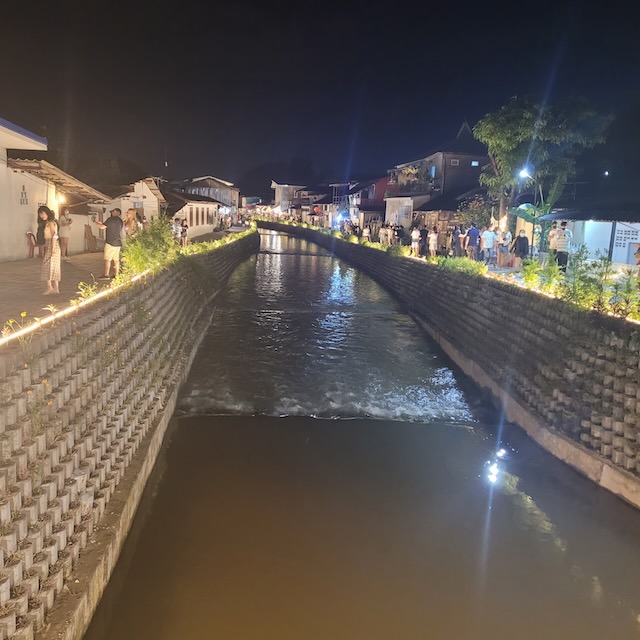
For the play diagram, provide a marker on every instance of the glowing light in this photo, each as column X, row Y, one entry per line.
column 524, row 173
column 493, row 469
column 493, row 478
column 68, row 310
column 501, row 453
column 61, row 199
column 606, row 173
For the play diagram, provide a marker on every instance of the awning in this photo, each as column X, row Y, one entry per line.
column 64, row 182
column 599, row 215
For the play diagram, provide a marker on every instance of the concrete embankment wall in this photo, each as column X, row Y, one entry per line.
column 570, row 378
column 83, row 411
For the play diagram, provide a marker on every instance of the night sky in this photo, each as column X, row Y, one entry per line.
column 243, row 89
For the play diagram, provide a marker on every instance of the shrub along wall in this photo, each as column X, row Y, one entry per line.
column 84, row 406
column 569, row 377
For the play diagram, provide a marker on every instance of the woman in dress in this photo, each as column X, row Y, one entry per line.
column 184, row 230
column 520, row 249
column 50, row 271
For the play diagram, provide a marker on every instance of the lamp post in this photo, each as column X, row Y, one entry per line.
column 525, row 174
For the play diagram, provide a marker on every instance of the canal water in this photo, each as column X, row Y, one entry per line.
column 329, row 476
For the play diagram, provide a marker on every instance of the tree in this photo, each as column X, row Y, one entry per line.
column 544, row 140
column 479, row 209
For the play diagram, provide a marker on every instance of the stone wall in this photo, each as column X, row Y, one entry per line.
column 84, row 406
column 569, row 377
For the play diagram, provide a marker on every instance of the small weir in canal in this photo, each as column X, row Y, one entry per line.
column 328, row 475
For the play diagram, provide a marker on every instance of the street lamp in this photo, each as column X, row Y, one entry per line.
column 525, row 174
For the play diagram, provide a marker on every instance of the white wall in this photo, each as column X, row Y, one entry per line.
column 208, row 218
column 20, row 196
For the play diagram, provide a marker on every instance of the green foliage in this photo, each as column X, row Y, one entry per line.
column 86, row 290
column 550, row 277
column 13, row 326
column 478, row 209
column 465, row 265
column 153, row 248
column 602, row 270
column 548, row 138
column 399, row 250
column 577, row 285
column 353, row 239
column 530, row 273
column 625, row 295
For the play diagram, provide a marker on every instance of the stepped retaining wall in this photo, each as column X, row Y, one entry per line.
column 569, row 377
column 84, row 407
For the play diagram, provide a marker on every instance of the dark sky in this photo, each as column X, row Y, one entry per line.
column 354, row 86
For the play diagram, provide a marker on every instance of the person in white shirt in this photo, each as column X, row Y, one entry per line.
column 415, row 242
column 433, row 242
column 64, row 232
column 489, row 241
column 563, row 244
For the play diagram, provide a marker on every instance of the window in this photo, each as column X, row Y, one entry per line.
column 432, row 171
column 475, row 163
column 191, row 216
column 455, row 162
column 197, row 215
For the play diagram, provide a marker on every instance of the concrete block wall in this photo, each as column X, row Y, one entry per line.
column 83, row 410
column 569, row 377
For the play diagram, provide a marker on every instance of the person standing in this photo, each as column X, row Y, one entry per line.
column 553, row 241
column 489, row 241
column 563, row 244
column 50, row 271
column 42, row 223
column 433, row 242
column 184, row 232
column 130, row 223
column 112, row 243
column 473, row 239
column 520, row 249
column 503, row 248
column 415, row 242
column 64, row 232
column 456, row 248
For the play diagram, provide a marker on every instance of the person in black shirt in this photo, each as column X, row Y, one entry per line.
column 112, row 243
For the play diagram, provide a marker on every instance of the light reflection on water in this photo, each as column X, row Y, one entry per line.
column 301, row 334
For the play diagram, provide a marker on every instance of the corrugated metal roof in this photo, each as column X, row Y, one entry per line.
column 64, row 182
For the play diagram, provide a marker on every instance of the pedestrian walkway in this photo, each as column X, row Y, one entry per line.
column 21, row 290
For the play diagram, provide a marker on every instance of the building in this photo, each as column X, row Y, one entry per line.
column 144, row 196
column 609, row 227
column 367, row 201
column 201, row 213
column 27, row 184
column 215, row 189
column 451, row 169
column 285, row 198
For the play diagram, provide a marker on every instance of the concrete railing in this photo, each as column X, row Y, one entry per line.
column 569, row 377
column 84, row 405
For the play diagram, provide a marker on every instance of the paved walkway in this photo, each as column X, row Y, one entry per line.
column 21, row 288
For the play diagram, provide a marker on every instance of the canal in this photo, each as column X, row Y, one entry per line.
column 329, row 475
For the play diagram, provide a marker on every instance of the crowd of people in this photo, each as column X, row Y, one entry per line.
column 490, row 244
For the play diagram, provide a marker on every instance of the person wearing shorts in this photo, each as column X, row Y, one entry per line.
column 112, row 243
